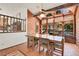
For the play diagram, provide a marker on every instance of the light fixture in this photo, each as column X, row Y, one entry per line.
column 42, row 15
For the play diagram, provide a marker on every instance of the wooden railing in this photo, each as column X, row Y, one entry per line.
column 10, row 24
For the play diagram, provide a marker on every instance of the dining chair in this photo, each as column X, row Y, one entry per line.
column 50, row 48
column 59, row 48
column 47, row 47
column 36, row 42
column 43, row 46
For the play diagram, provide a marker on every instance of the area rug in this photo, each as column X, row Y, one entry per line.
column 15, row 53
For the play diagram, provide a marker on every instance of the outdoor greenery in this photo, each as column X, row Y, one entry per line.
column 44, row 28
column 68, row 27
column 36, row 29
column 49, row 14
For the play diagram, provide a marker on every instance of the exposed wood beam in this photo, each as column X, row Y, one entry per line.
column 37, row 18
column 57, row 16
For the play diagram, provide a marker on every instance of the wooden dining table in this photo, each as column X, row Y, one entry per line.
column 49, row 38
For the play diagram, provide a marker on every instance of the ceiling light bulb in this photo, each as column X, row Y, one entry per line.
column 42, row 15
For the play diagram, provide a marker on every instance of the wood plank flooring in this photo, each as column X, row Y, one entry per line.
column 22, row 48
column 69, row 50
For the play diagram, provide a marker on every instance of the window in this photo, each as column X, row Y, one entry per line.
column 62, row 11
column 12, row 24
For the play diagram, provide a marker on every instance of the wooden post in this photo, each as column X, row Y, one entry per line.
column 46, row 26
column 53, row 24
column 63, row 26
column 40, row 22
column 39, row 43
column 75, row 22
column 63, row 36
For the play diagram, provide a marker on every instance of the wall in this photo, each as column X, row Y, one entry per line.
column 77, row 27
column 77, row 23
column 31, row 23
column 11, row 39
column 13, row 9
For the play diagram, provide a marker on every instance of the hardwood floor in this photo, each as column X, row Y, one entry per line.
column 22, row 48
column 69, row 50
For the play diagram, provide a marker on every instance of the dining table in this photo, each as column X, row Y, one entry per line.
column 48, row 37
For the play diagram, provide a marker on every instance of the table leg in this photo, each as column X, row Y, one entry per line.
column 28, row 42
column 39, row 46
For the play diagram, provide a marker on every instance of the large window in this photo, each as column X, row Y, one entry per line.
column 12, row 24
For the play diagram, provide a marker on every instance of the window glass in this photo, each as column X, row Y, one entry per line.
column 12, row 24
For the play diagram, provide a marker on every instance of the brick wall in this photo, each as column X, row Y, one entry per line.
column 31, row 23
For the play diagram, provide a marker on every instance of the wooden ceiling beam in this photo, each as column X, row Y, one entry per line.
column 37, row 18
column 56, row 16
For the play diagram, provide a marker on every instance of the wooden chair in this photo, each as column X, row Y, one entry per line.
column 36, row 42
column 44, row 46
column 59, row 48
column 50, row 48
